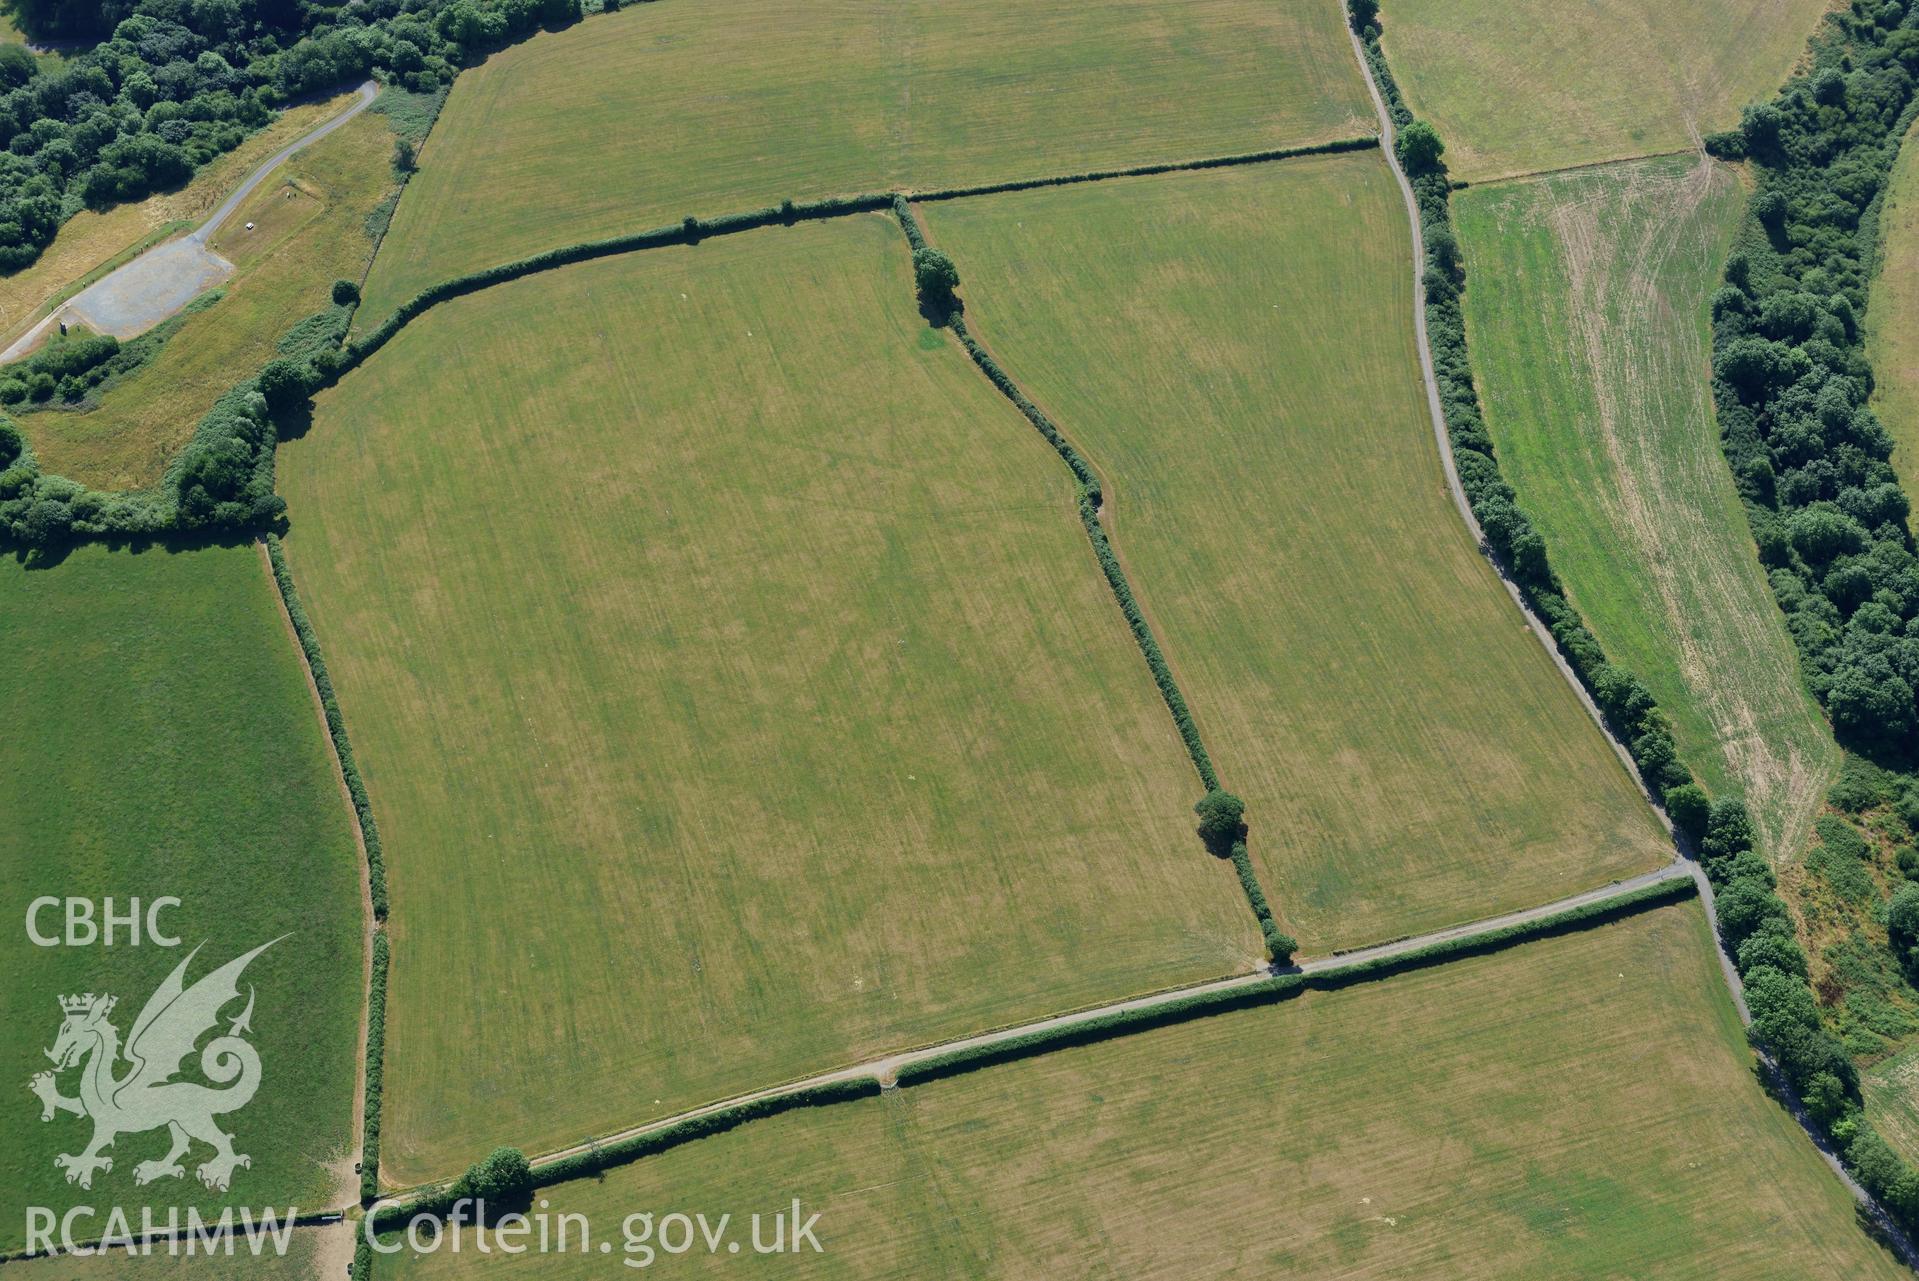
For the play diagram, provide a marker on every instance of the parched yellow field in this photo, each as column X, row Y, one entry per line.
column 1575, row 1108
column 1517, row 86
column 1892, row 315
column 309, row 230
column 1234, row 351
column 89, row 243
column 667, row 110
column 1586, row 309
column 736, row 690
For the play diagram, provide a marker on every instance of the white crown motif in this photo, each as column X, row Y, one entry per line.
column 82, row 1004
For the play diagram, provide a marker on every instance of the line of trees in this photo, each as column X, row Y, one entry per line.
column 1786, row 330
column 1513, row 542
column 1791, row 379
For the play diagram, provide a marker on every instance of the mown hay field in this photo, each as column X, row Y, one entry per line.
column 310, row 229
column 1234, row 351
column 1574, row 1108
column 1586, row 310
column 737, row 691
column 161, row 739
column 663, row 111
column 1519, row 86
column 1892, row 315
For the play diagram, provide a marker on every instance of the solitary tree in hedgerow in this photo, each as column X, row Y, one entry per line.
column 1419, row 148
column 936, row 277
column 503, row 1177
column 1221, row 819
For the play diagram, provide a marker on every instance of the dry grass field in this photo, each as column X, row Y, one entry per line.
column 668, row 110
column 1234, row 351
column 1575, row 1108
column 1586, row 309
column 309, row 230
column 1518, row 86
column 736, row 690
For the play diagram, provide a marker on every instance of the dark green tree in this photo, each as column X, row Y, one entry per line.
column 935, row 276
column 1222, row 819
column 502, row 1176
column 1419, row 148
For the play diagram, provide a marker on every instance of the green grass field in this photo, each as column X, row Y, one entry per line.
column 161, row 740
column 311, row 1255
column 1892, row 316
column 744, row 102
column 1891, row 1089
column 1517, row 86
column 309, row 230
column 1234, row 351
column 1586, row 312
column 1575, row 1108
column 736, row 690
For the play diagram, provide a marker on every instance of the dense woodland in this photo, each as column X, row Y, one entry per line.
column 173, row 83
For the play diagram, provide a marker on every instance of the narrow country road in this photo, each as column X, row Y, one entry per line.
column 139, row 294
column 1901, row 1244
column 885, row 1070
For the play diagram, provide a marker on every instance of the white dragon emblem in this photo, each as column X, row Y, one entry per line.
column 146, row 1096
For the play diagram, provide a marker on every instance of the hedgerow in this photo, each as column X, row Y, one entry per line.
column 1790, row 380
column 223, row 479
column 1279, row 945
column 688, row 231
column 606, row 1156
column 336, row 724
column 1252, row 993
column 1280, row 987
column 375, row 1069
column 1810, row 460
column 1509, row 537
column 1089, row 500
column 1141, row 171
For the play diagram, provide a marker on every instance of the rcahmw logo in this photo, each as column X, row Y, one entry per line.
column 145, row 1094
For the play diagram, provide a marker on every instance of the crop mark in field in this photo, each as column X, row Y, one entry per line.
column 1643, row 391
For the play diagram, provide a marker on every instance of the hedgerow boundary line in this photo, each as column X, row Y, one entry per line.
column 372, row 1076
column 1754, row 935
column 910, row 1068
column 1088, row 501
column 691, row 230
column 222, row 480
